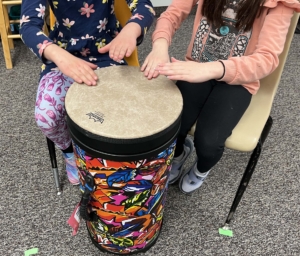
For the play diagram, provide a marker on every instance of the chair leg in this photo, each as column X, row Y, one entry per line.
column 51, row 148
column 248, row 172
column 6, row 19
column 5, row 41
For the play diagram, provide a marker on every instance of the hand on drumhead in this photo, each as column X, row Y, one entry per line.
column 79, row 70
column 191, row 71
column 124, row 43
column 158, row 55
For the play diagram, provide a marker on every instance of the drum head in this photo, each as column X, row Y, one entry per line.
column 124, row 112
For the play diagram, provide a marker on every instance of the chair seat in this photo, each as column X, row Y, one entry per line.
column 246, row 134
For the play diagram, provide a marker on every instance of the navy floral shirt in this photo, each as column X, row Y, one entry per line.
column 82, row 27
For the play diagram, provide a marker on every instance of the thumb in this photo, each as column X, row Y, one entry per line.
column 104, row 49
column 174, row 60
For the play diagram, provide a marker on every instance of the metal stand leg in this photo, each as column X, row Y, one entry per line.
column 248, row 172
column 51, row 148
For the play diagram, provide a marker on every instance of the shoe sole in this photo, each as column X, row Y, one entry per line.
column 181, row 169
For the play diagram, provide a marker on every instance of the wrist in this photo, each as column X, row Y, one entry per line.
column 133, row 28
column 223, row 74
column 160, row 43
column 217, row 69
column 51, row 52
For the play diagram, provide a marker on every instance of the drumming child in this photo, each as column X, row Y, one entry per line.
column 234, row 44
column 86, row 36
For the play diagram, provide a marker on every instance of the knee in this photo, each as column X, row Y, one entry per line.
column 208, row 146
column 48, row 117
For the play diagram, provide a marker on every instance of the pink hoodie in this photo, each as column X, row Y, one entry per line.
column 266, row 42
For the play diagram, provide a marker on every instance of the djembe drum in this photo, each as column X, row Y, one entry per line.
column 124, row 134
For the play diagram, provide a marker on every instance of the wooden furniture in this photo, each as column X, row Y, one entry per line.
column 5, row 32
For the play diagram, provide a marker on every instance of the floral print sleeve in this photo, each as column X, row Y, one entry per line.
column 82, row 27
column 142, row 14
column 32, row 21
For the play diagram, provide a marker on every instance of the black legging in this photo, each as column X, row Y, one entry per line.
column 217, row 107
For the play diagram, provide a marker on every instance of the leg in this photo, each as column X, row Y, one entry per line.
column 50, row 108
column 194, row 96
column 50, row 117
column 222, row 111
column 220, row 114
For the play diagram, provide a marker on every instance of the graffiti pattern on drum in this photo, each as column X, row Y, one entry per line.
column 128, row 199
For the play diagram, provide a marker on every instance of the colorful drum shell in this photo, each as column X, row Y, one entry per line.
column 128, row 200
column 124, row 134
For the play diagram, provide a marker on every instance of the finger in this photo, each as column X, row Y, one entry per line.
column 129, row 51
column 147, row 70
column 170, row 66
column 112, row 52
column 105, row 49
column 156, row 74
column 151, row 72
column 170, row 72
column 88, row 75
column 91, row 74
column 120, row 53
column 92, row 65
column 84, row 79
column 178, row 77
column 76, row 78
column 144, row 65
column 174, row 60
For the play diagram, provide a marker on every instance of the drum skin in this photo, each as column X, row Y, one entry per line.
column 124, row 134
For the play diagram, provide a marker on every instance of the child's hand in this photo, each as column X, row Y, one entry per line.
column 191, row 71
column 124, row 43
column 158, row 55
column 79, row 70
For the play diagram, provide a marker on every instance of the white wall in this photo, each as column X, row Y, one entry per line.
column 157, row 3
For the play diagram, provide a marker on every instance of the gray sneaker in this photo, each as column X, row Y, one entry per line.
column 190, row 181
column 176, row 170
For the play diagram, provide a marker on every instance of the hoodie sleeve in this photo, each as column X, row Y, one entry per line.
column 31, row 26
column 142, row 14
column 264, row 60
column 171, row 19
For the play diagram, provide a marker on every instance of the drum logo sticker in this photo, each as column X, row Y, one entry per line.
column 96, row 116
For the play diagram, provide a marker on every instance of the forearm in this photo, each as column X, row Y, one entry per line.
column 142, row 15
column 171, row 19
column 133, row 28
column 52, row 53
